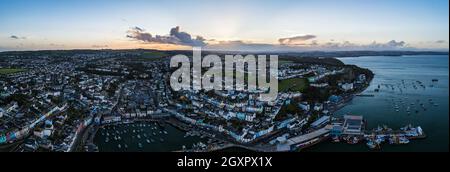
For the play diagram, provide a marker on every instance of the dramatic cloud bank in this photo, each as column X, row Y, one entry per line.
column 297, row 40
column 175, row 37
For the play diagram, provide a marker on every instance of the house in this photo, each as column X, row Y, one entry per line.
column 304, row 106
column 347, row 86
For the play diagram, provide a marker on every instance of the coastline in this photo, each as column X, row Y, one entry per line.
column 184, row 127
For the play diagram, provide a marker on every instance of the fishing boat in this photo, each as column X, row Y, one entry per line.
column 353, row 140
column 378, row 129
column 335, row 139
column 406, row 128
column 139, row 136
column 148, row 141
column 165, row 132
column 107, row 140
column 140, row 145
column 119, row 146
column 403, row 140
column 161, row 139
column 373, row 145
column 392, row 140
column 379, row 139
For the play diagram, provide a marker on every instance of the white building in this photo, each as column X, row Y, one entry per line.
column 347, row 86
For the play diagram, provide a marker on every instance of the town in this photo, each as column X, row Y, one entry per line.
column 58, row 100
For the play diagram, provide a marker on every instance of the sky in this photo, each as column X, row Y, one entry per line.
column 252, row 25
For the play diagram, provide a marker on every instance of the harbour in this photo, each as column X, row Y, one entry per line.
column 395, row 100
column 142, row 136
column 401, row 100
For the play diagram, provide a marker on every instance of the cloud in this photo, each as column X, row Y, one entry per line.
column 296, row 40
column 293, row 44
column 56, row 45
column 99, row 46
column 394, row 43
column 17, row 37
column 441, row 42
column 175, row 37
column 239, row 45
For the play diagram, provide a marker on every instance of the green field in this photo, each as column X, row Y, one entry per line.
column 281, row 62
column 6, row 71
column 150, row 56
column 293, row 84
column 154, row 54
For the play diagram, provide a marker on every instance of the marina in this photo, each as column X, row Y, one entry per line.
column 411, row 90
column 147, row 137
column 398, row 101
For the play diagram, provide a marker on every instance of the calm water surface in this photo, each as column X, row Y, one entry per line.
column 380, row 109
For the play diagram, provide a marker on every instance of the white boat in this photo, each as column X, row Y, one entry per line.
column 403, row 140
column 371, row 145
column 138, row 136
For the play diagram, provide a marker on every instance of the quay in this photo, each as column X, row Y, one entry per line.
column 365, row 95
